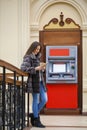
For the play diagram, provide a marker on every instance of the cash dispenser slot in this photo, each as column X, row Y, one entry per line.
column 61, row 75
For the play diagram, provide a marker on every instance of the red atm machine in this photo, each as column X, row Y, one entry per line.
column 61, row 77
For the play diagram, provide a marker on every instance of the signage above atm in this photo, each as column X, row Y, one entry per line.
column 59, row 52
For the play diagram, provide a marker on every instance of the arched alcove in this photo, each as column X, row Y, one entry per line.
column 48, row 9
column 54, row 11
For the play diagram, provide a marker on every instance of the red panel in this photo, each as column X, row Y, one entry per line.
column 59, row 52
column 62, row 96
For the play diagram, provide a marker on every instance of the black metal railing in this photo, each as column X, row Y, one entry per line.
column 14, row 102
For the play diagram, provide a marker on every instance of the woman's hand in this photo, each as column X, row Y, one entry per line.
column 39, row 68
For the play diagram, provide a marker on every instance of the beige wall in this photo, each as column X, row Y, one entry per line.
column 8, row 30
column 21, row 20
column 14, row 30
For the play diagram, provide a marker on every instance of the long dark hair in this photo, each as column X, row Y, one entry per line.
column 32, row 47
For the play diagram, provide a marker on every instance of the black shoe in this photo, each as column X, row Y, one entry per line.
column 40, row 122
column 37, row 123
column 31, row 118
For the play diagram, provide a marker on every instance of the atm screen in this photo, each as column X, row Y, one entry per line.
column 59, row 68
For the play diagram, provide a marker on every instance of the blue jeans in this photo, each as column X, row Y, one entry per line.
column 39, row 100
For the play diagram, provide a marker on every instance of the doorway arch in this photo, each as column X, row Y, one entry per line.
column 40, row 12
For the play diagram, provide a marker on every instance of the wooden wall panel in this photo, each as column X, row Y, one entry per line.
column 65, row 37
column 61, row 37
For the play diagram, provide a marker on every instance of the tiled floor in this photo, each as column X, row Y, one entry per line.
column 62, row 123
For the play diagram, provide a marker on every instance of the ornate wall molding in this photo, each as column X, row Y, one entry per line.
column 61, row 23
column 34, row 27
column 75, row 4
column 84, row 27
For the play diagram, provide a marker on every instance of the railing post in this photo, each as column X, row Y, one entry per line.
column 3, row 98
column 28, row 110
column 23, row 105
column 14, row 100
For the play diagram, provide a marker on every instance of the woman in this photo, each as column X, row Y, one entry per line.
column 36, row 84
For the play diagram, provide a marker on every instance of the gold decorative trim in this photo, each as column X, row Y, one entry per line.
column 56, row 24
